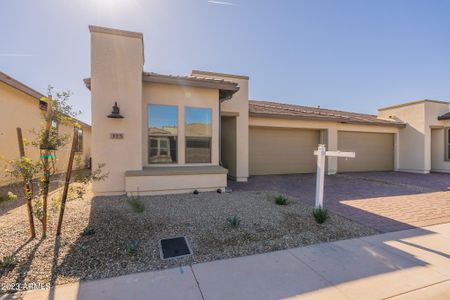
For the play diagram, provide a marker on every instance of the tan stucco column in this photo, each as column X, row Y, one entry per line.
column 237, row 106
column 117, row 60
column 332, row 144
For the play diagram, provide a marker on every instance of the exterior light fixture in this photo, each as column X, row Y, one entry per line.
column 115, row 112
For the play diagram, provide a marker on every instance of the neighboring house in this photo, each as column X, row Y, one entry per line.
column 21, row 107
column 185, row 133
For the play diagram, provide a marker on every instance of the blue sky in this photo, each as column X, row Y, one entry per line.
column 352, row 55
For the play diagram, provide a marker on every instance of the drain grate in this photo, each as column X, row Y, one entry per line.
column 174, row 247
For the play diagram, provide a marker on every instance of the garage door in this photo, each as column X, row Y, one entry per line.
column 282, row 150
column 374, row 151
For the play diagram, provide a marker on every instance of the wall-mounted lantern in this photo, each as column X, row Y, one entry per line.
column 115, row 112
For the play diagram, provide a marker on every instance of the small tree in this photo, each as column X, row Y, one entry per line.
column 26, row 169
column 49, row 140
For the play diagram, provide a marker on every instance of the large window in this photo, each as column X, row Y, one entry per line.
column 198, row 135
column 162, row 134
column 447, row 144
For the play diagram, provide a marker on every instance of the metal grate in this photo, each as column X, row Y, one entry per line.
column 174, row 247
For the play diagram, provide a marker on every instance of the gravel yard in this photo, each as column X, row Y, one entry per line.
column 265, row 226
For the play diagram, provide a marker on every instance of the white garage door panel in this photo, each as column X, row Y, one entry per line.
column 374, row 151
column 282, row 150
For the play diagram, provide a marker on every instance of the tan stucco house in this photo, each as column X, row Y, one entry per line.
column 21, row 107
column 178, row 134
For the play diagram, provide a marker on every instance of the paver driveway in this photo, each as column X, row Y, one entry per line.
column 386, row 201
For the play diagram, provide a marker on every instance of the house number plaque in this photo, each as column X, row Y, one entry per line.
column 116, row 136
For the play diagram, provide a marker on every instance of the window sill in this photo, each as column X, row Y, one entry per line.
column 178, row 170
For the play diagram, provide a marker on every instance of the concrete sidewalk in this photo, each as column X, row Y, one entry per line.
column 410, row 264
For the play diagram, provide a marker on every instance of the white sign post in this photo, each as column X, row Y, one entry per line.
column 321, row 153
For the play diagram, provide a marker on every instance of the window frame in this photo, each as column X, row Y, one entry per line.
column 186, row 136
column 177, row 136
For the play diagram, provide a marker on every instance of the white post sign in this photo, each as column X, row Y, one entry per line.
column 321, row 153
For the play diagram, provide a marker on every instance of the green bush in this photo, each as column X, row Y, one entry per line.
column 320, row 215
column 281, row 200
column 10, row 196
column 8, row 262
column 136, row 204
column 132, row 246
column 234, row 221
column 74, row 193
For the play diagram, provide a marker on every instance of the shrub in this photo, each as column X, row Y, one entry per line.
column 320, row 215
column 74, row 193
column 234, row 221
column 88, row 231
column 132, row 246
column 136, row 204
column 8, row 262
column 281, row 200
column 10, row 196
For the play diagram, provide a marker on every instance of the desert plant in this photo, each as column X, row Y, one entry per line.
column 10, row 196
column 8, row 262
column 132, row 246
column 320, row 215
column 26, row 169
column 136, row 204
column 281, row 200
column 88, row 231
column 75, row 193
column 234, row 221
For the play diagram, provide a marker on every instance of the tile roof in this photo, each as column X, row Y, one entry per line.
column 280, row 110
column 445, row 116
column 226, row 87
column 191, row 78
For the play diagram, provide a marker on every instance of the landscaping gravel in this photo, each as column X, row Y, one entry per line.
column 103, row 250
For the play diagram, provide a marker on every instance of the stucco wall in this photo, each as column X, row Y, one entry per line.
column 237, row 104
column 22, row 110
column 18, row 110
column 412, row 137
column 116, row 75
column 157, row 185
column 414, row 141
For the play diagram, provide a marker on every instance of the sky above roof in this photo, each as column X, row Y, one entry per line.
column 349, row 54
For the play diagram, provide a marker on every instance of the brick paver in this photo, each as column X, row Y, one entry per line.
column 386, row 201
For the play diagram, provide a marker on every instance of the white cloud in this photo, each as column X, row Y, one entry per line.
column 222, row 3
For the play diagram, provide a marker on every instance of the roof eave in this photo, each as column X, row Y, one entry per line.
column 226, row 90
column 194, row 82
column 8, row 80
column 325, row 119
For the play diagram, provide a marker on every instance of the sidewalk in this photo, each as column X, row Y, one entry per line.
column 410, row 264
